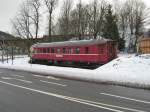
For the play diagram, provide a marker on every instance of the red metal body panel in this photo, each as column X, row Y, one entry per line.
column 96, row 58
column 98, row 53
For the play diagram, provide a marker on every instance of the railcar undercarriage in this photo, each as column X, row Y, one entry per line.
column 62, row 63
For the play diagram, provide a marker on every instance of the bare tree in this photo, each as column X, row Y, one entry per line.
column 84, row 19
column 130, row 20
column 79, row 8
column 16, row 28
column 99, row 11
column 64, row 20
column 95, row 14
column 35, row 6
column 139, row 18
column 22, row 24
column 51, row 5
column 74, row 22
column 79, row 20
column 135, row 10
column 122, row 16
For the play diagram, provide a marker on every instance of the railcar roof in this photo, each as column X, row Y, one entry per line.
column 71, row 43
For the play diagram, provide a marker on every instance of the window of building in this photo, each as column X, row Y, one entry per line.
column 77, row 50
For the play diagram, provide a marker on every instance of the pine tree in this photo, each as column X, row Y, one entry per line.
column 110, row 29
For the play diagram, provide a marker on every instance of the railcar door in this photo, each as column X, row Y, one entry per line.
column 112, row 51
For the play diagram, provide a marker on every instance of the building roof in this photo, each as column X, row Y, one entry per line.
column 71, row 43
column 144, row 39
column 6, row 36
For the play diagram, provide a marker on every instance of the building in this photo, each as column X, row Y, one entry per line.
column 144, row 45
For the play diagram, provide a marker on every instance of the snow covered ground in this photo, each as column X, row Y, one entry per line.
column 129, row 70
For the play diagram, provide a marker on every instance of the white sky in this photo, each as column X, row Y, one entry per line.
column 8, row 9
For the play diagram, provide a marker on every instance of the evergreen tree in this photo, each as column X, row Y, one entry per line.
column 110, row 29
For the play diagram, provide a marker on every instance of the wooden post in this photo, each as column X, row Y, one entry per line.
column 7, row 55
column 3, row 51
column 12, row 56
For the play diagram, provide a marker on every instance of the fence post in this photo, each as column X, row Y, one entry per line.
column 12, row 55
column 2, row 55
column 7, row 55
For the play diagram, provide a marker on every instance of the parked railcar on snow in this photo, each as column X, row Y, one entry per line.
column 88, row 52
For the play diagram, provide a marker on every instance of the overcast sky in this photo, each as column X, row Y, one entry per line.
column 8, row 9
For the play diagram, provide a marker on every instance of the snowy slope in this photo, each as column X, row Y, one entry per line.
column 126, row 70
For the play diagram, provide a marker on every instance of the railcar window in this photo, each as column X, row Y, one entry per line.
column 41, row 51
column 58, row 50
column 48, row 50
column 64, row 50
column 70, row 50
column 101, row 50
column 77, row 50
column 86, row 50
column 111, row 51
column 44, row 50
column 52, row 50
column 36, row 50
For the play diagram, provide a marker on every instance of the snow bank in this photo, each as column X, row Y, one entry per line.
column 126, row 70
column 22, row 64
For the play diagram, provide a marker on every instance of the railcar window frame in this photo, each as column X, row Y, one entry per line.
column 70, row 50
column 58, row 50
column 44, row 50
column 52, row 50
column 86, row 50
column 48, row 50
column 34, row 50
column 101, row 50
column 41, row 50
column 38, row 50
column 77, row 50
column 64, row 50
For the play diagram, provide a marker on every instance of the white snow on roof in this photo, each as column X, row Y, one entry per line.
column 71, row 43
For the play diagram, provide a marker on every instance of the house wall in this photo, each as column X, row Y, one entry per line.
column 144, row 46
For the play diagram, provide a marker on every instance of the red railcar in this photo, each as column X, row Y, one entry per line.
column 84, row 51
